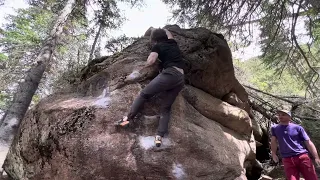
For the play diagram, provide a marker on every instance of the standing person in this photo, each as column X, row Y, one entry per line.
column 292, row 140
column 170, row 80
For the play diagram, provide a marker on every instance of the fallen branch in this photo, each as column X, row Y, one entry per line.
column 263, row 111
column 262, row 101
column 294, row 103
column 312, row 108
column 278, row 97
column 297, row 97
column 309, row 118
column 309, row 100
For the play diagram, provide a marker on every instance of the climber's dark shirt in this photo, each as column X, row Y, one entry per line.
column 169, row 54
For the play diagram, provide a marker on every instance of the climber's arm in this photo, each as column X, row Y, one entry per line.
column 170, row 36
column 152, row 58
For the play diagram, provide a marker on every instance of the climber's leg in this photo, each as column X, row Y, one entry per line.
column 162, row 82
column 158, row 140
column 138, row 104
column 165, row 113
column 154, row 87
column 166, row 108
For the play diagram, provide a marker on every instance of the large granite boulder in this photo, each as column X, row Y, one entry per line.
column 71, row 134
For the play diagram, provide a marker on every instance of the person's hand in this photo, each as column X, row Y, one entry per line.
column 275, row 158
column 135, row 75
column 317, row 161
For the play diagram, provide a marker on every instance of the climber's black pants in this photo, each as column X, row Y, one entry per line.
column 171, row 82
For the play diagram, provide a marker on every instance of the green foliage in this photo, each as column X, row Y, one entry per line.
column 23, row 36
column 3, row 57
column 35, row 99
column 20, row 40
column 28, row 28
column 316, row 35
column 62, row 49
column 108, row 14
column 269, row 79
column 3, row 99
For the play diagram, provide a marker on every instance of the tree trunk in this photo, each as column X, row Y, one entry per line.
column 95, row 42
column 26, row 89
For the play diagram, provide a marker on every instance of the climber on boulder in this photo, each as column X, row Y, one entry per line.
column 170, row 80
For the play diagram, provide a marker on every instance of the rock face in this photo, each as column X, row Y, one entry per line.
column 72, row 135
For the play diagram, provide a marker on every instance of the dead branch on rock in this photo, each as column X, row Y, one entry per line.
column 309, row 118
column 268, row 111
column 263, row 102
column 263, row 111
column 278, row 97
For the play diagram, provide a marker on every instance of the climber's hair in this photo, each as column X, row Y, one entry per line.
column 158, row 35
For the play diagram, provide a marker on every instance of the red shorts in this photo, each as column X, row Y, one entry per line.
column 302, row 163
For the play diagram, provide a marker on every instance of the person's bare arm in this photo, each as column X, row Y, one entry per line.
column 170, row 36
column 274, row 146
column 313, row 150
column 136, row 74
column 152, row 58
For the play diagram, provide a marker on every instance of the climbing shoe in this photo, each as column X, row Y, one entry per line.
column 158, row 141
column 123, row 122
